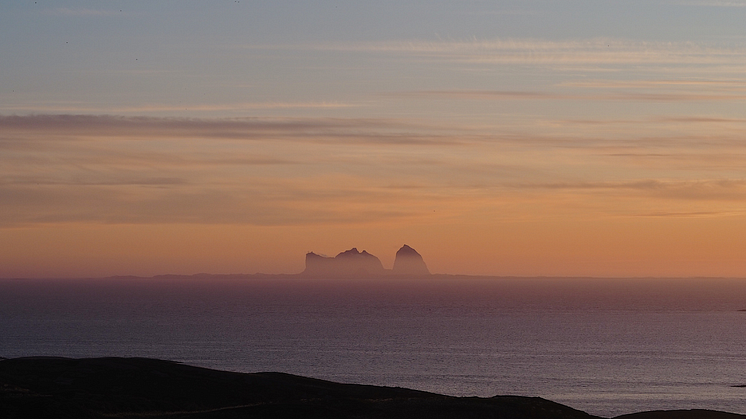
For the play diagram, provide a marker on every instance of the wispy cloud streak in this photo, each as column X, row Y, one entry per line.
column 523, row 95
column 275, row 171
column 64, row 11
column 156, row 108
column 602, row 51
column 390, row 131
column 713, row 3
column 706, row 190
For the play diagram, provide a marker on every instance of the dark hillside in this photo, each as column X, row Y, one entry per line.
column 138, row 387
column 149, row 388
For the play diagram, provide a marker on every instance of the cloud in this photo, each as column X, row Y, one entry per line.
column 688, row 214
column 713, row 3
column 699, row 119
column 498, row 12
column 117, row 169
column 120, row 181
column 75, row 134
column 479, row 95
column 727, row 85
column 268, row 202
column 696, row 190
column 667, row 97
column 234, row 107
column 295, row 171
column 323, row 130
column 528, row 95
column 150, row 108
column 64, row 11
column 527, row 51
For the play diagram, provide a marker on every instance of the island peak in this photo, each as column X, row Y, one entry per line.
column 354, row 263
column 409, row 262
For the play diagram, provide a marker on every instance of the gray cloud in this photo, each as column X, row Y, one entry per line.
column 596, row 52
column 329, row 130
column 700, row 119
column 529, row 95
column 112, row 169
column 256, row 205
column 712, row 3
column 699, row 190
column 725, row 85
column 479, row 94
column 93, row 181
column 64, row 11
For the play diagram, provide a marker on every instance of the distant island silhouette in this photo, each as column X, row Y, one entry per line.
column 353, row 263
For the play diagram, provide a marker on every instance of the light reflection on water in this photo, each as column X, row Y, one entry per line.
column 607, row 347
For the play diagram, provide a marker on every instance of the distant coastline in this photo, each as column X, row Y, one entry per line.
column 387, row 274
column 354, row 264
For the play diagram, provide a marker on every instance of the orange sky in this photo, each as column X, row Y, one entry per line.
column 530, row 140
column 97, row 196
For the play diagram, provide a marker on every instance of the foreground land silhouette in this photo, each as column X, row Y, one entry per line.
column 42, row 387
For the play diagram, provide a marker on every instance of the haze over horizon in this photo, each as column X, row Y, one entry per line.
column 508, row 138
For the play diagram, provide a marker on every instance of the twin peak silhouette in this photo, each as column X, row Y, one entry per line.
column 352, row 263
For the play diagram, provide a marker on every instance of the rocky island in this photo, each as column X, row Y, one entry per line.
column 409, row 262
column 353, row 263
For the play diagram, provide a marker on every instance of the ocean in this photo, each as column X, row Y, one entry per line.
column 604, row 346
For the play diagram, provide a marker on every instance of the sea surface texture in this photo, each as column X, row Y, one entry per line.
column 605, row 346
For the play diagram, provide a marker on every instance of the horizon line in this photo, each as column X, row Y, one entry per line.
column 301, row 275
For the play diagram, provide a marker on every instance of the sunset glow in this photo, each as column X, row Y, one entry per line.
column 574, row 138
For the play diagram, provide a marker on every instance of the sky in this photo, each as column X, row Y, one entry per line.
column 530, row 138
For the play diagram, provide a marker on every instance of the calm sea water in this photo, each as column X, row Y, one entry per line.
column 607, row 347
